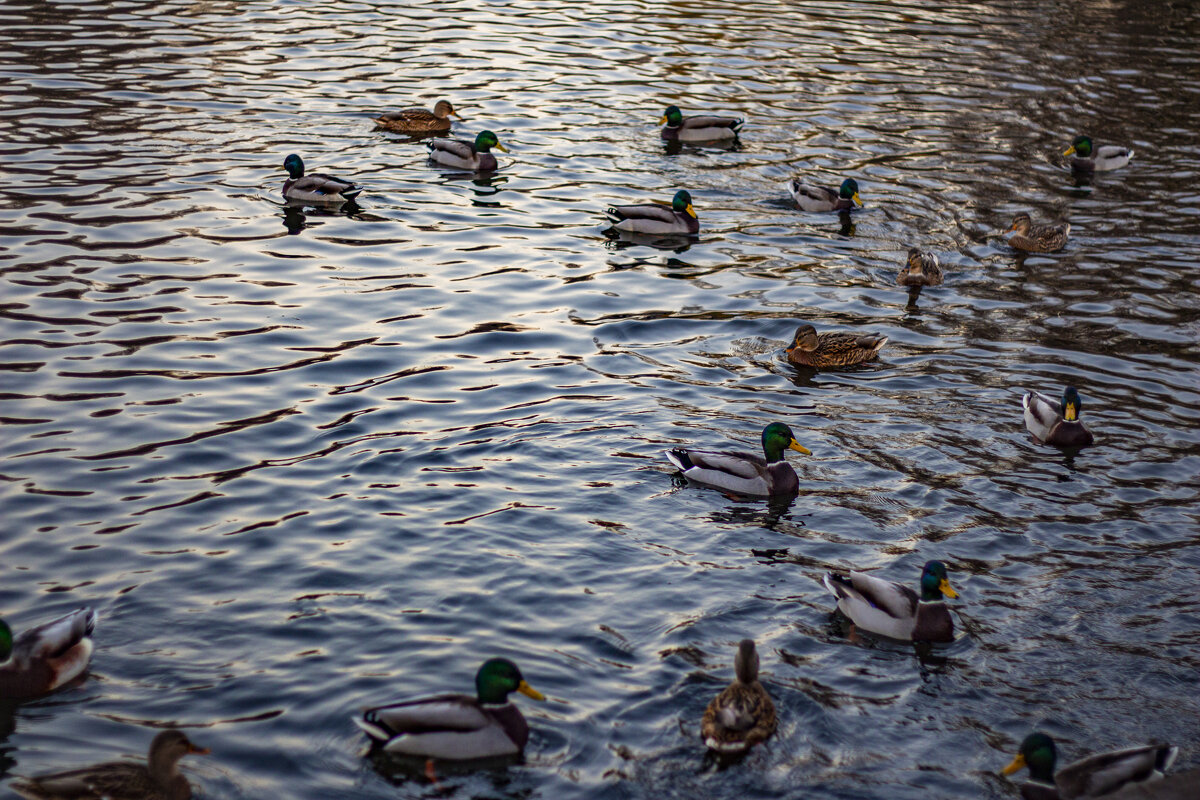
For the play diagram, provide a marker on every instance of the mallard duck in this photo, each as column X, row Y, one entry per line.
column 891, row 609
column 704, row 128
column 315, row 188
column 121, row 780
column 1037, row 238
column 652, row 218
column 745, row 473
column 832, row 349
column 417, row 120
column 1093, row 776
column 1056, row 423
column 742, row 715
column 823, row 198
column 922, row 269
column 1100, row 159
column 43, row 658
column 457, row 726
column 470, row 156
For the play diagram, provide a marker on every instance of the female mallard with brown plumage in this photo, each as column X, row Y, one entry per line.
column 1037, row 238
column 1094, row 776
column 891, row 609
column 159, row 779
column 701, row 128
column 1054, row 423
column 742, row 715
column 43, row 658
column 416, row 121
column 832, row 349
column 745, row 473
column 1086, row 158
column 922, row 269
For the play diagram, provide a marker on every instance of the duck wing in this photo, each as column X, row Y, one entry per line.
column 449, row 712
column 54, row 638
column 1042, row 414
column 741, row 465
column 652, row 212
column 701, row 122
column 1106, row 772
column 327, row 185
column 116, row 779
column 454, row 147
column 414, row 114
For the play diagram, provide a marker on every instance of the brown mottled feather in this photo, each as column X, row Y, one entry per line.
column 832, row 349
column 742, row 715
column 418, row 120
column 1037, row 238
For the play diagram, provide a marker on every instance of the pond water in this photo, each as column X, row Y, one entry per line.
column 302, row 462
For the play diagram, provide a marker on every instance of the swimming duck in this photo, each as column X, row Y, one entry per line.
column 922, row 269
column 1105, row 157
column 315, row 188
column 823, row 198
column 43, row 658
column 704, row 128
column 745, row 473
column 742, row 715
column 1093, row 776
column 891, row 609
column 1037, row 238
column 417, row 120
column 457, row 726
column 471, row 156
column 1056, row 423
column 652, row 218
column 832, row 349
column 121, row 780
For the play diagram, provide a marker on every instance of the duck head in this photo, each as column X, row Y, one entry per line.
column 778, row 437
column 934, row 583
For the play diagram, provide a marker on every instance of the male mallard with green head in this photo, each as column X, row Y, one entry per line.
column 702, row 128
column 894, row 610
column 457, row 726
column 1094, row 776
column 417, row 121
column 468, row 156
column 745, row 473
column 43, row 658
column 655, row 219
column 1037, row 238
column 1054, row 423
column 832, row 348
column 315, row 188
column 922, row 269
column 1086, row 158
column 811, row 197
column 742, row 715
column 159, row 779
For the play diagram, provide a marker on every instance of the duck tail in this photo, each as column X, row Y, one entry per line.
column 739, row 122
column 679, row 457
column 352, row 192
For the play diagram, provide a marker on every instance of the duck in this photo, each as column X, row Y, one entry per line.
column 1085, row 158
column 457, row 727
column 470, row 156
column 922, row 269
column 742, row 715
column 832, row 348
column 44, row 658
column 653, row 218
column 317, row 187
column 745, row 473
column 1037, row 238
column 417, row 121
column 893, row 610
column 1056, row 423
column 1176, row 786
column 159, row 779
column 1093, row 776
column 703, row 128
column 823, row 198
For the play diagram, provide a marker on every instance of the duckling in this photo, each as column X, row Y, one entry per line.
column 832, row 349
column 1054, row 423
column 890, row 609
column 44, row 658
column 706, row 128
column 922, row 269
column 652, row 218
column 823, row 198
column 742, row 715
column 315, row 188
column 1037, row 238
column 1094, row 776
column 469, row 156
column 745, row 473
column 457, row 726
column 120, row 780
column 1099, row 159
column 417, row 121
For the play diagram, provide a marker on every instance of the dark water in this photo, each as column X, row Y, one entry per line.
column 300, row 474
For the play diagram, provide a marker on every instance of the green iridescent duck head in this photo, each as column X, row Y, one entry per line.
column 1082, row 147
column 498, row 678
column 1039, row 754
column 486, row 140
column 934, row 583
column 849, row 191
column 294, row 166
column 6, row 641
column 672, row 117
column 1071, row 405
column 778, row 437
column 682, row 202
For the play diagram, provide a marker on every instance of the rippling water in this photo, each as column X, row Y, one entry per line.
column 300, row 474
